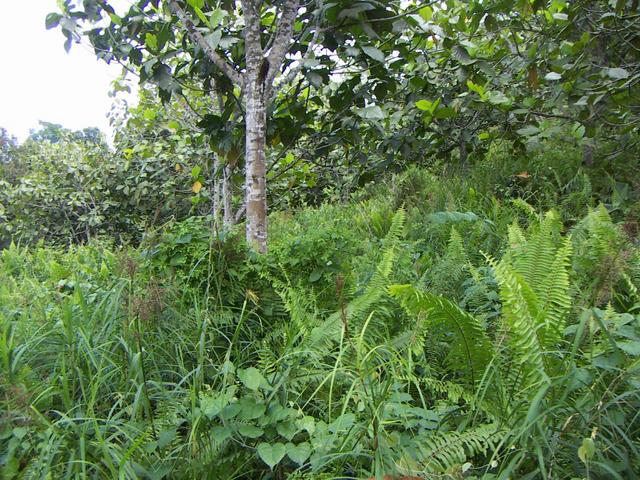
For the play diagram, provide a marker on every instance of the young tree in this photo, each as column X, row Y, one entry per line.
column 241, row 47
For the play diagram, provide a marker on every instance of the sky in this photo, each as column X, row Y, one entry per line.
column 40, row 81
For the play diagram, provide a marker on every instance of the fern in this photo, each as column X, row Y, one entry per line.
column 439, row 452
column 534, row 257
column 470, row 347
column 518, row 317
column 601, row 255
column 448, row 274
column 554, row 301
column 355, row 311
column 543, row 268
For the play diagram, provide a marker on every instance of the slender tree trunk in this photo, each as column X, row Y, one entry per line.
column 255, row 164
column 227, row 196
column 462, row 149
column 587, row 153
column 215, row 192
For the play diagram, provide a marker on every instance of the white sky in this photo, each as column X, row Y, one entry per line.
column 40, row 81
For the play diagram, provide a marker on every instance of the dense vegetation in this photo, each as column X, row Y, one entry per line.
column 451, row 285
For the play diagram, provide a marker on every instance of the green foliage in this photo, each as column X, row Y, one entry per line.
column 187, row 357
column 470, row 349
column 72, row 190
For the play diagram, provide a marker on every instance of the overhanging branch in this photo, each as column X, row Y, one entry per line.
column 282, row 40
column 210, row 52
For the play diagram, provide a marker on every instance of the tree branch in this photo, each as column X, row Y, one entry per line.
column 293, row 72
column 282, row 39
column 199, row 39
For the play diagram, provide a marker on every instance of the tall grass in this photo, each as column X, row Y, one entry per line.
column 189, row 358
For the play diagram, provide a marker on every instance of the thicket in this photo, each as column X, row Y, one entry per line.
column 451, row 283
column 472, row 324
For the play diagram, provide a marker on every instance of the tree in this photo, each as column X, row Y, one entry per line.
column 8, row 145
column 246, row 50
column 254, row 76
column 54, row 133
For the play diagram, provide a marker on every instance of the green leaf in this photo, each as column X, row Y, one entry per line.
column 426, row 13
column 374, row 53
column 342, row 423
column 462, row 55
column 196, row 3
column 195, row 172
column 220, row 433
column 445, row 112
column 230, row 411
column 182, row 239
column 298, row 453
column 490, row 23
column 166, row 437
column 307, row 423
column 250, row 431
column 201, row 14
column 424, row 105
column 617, row 73
column 586, row 450
column 630, row 347
column 216, row 18
column 214, row 39
column 251, row 378
column 528, row 130
column 271, row 454
column 286, row 429
column 11, row 468
column 213, row 405
column 372, row 112
column 115, row 19
column 315, row 275
column 552, row 76
column 498, row 98
column 151, row 41
column 52, row 20
column 149, row 114
column 474, row 87
column 251, row 409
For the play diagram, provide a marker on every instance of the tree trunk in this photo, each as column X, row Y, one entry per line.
column 255, row 165
column 587, row 153
column 462, row 149
column 215, row 192
column 227, row 196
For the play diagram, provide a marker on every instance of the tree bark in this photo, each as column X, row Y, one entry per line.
column 255, row 165
column 261, row 69
column 215, row 191
column 227, row 197
column 587, row 153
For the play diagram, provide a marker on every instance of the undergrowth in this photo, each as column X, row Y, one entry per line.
column 434, row 327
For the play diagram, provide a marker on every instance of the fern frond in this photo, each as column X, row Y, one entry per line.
column 519, row 320
column 525, row 207
column 470, row 346
column 534, row 258
column 554, row 298
column 359, row 307
column 515, row 235
column 442, row 451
